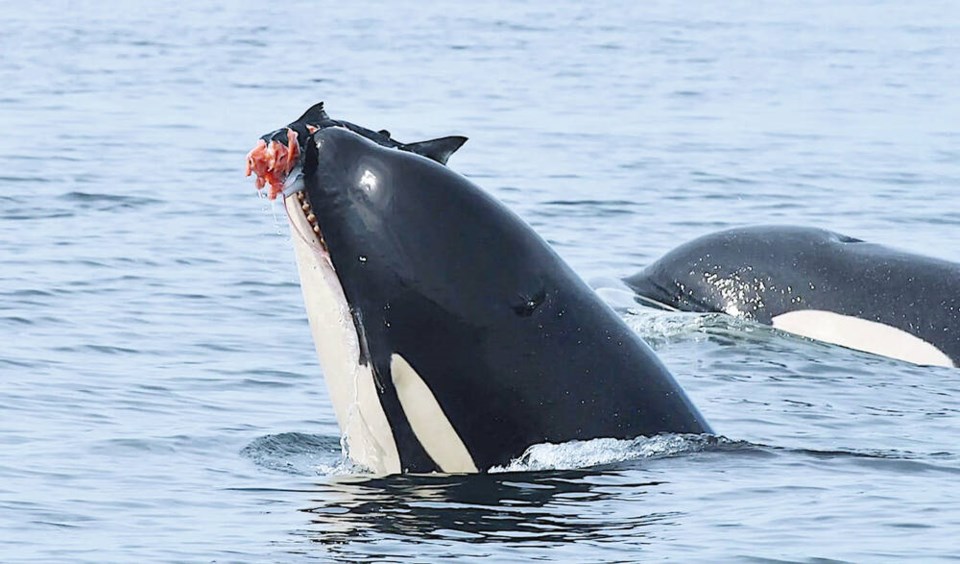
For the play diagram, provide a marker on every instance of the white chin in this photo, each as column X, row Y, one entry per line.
column 363, row 423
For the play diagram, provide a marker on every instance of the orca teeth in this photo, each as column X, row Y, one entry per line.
column 311, row 218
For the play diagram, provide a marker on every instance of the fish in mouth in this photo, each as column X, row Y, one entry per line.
column 450, row 335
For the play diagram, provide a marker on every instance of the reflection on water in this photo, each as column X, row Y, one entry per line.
column 542, row 508
column 617, row 512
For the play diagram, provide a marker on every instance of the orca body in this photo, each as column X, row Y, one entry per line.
column 451, row 336
column 818, row 284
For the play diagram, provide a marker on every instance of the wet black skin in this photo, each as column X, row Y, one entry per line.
column 515, row 347
column 777, row 269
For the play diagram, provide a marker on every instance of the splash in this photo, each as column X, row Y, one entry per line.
column 301, row 454
column 655, row 325
column 582, row 454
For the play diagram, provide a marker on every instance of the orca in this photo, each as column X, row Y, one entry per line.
column 817, row 284
column 450, row 335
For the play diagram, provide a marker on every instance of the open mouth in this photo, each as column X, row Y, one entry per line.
column 278, row 165
column 306, row 209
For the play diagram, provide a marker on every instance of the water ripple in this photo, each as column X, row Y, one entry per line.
column 159, row 392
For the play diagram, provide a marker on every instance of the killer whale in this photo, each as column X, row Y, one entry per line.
column 451, row 336
column 818, row 284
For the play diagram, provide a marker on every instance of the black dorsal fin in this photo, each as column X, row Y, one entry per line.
column 384, row 132
column 314, row 114
column 437, row 149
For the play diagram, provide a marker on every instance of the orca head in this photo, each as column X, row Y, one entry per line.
column 383, row 232
column 334, row 177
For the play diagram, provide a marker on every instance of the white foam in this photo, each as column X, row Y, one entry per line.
column 582, row 454
column 659, row 325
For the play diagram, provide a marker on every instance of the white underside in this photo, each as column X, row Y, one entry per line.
column 862, row 335
column 368, row 437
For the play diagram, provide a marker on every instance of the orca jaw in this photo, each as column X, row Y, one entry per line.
column 366, row 435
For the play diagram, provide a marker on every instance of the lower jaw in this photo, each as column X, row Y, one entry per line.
column 298, row 207
column 350, row 384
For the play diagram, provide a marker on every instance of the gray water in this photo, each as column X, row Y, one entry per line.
column 159, row 395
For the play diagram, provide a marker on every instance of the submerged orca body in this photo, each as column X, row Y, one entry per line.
column 451, row 336
column 818, row 284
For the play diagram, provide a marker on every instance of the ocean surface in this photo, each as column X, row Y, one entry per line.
column 160, row 399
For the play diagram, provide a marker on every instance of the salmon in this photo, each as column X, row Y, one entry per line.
column 272, row 162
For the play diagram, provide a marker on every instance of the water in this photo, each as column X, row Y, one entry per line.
column 159, row 395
